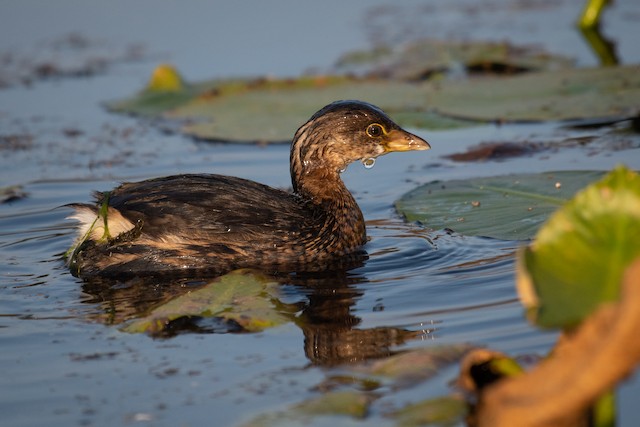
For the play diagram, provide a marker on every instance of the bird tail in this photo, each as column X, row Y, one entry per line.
column 87, row 216
column 96, row 222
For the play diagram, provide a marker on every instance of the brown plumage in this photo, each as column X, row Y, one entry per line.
column 213, row 224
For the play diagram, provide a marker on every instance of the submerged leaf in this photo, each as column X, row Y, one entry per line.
column 351, row 404
column 509, row 207
column 579, row 256
column 442, row 411
column 399, row 371
column 408, row 368
column 240, row 296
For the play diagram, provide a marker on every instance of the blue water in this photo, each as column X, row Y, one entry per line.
column 64, row 361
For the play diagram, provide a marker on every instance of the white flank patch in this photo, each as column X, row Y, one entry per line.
column 92, row 226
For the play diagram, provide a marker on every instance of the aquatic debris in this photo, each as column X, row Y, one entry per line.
column 12, row 194
column 70, row 56
column 497, row 151
column 16, row 142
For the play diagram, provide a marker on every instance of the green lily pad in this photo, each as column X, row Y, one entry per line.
column 241, row 296
column 167, row 90
column 587, row 93
column 270, row 110
column 154, row 101
column 509, row 207
column 268, row 115
column 578, row 258
column 150, row 103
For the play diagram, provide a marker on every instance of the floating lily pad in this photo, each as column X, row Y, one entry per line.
column 591, row 93
column 579, row 256
column 165, row 90
column 268, row 115
column 423, row 58
column 242, row 297
column 270, row 110
column 150, row 103
column 510, row 207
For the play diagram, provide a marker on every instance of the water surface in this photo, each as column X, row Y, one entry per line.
column 64, row 360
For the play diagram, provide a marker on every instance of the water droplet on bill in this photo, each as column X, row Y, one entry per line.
column 369, row 163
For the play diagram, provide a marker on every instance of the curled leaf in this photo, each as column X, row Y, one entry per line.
column 590, row 359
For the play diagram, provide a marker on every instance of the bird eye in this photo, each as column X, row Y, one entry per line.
column 375, row 130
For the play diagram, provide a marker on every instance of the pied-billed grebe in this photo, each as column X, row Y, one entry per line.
column 215, row 223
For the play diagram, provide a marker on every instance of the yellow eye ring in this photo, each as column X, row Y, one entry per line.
column 375, row 130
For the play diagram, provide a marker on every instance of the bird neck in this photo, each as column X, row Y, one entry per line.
column 342, row 217
column 321, row 186
column 315, row 175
